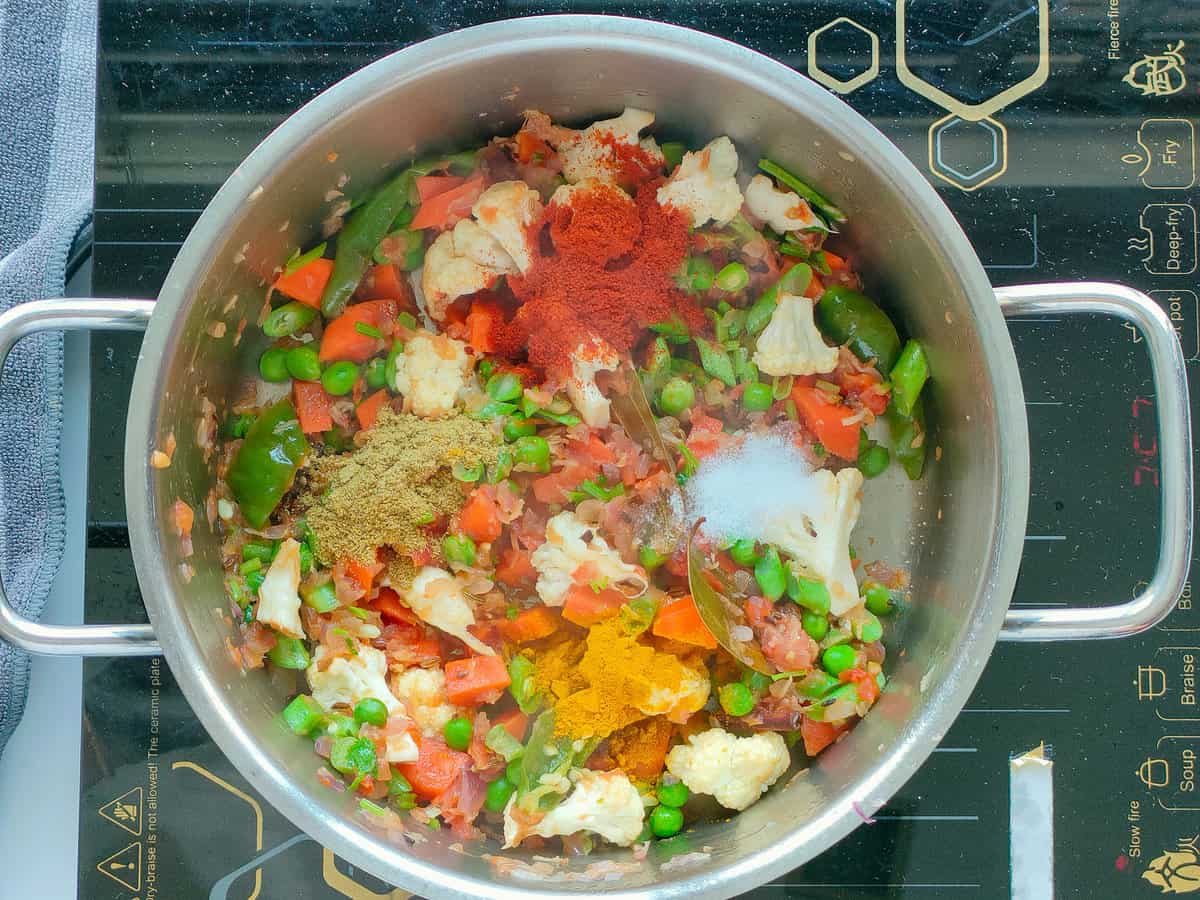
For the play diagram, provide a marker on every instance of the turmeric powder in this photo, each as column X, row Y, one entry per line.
column 616, row 680
column 641, row 748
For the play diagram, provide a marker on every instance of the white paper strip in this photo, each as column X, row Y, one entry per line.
column 1031, row 824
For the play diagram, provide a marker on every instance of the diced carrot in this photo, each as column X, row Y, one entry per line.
column 344, row 340
column 530, row 625
column 312, row 406
column 388, row 605
column 368, row 411
column 514, row 721
column 475, row 680
column 834, row 261
column 432, row 185
column 585, row 607
column 445, row 209
column 529, row 146
column 819, row 735
column 483, row 319
column 307, row 283
column 480, row 518
column 515, row 568
column 436, row 769
column 362, row 574
column 825, row 419
column 385, row 282
column 679, row 620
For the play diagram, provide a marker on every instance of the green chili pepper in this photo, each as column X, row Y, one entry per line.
column 795, row 281
column 716, row 362
column 908, row 377
column 288, row 319
column 907, row 432
column 359, row 237
column 819, row 201
column 847, row 317
column 672, row 152
column 267, row 462
column 289, row 653
column 520, row 671
column 597, row 488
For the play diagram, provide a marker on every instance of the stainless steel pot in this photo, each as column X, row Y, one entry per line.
column 960, row 529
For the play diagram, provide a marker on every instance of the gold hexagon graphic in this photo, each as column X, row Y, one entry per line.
column 974, row 112
column 837, row 84
column 977, row 178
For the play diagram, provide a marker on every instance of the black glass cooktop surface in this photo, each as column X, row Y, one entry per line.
column 1063, row 136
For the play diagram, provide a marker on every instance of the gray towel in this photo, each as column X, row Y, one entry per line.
column 47, row 125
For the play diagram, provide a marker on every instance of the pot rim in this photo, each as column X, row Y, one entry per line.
column 511, row 37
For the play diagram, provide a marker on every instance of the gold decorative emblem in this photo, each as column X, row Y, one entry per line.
column 1158, row 76
column 1177, row 871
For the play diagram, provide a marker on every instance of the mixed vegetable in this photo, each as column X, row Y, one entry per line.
column 561, row 561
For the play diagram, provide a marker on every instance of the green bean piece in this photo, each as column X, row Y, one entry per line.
column 771, row 575
column 265, row 465
column 304, row 715
column 676, row 397
column 322, row 597
column 503, row 466
column 819, row 201
column 908, row 438
column 809, row 593
column 459, row 548
column 744, row 552
column 873, row 461
column 908, row 376
column 878, row 598
column 666, row 821
column 375, row 374
column 734, row 277
column 674, row 330
column 289, row 653
column 504, row 387
column 847, row 317
column 339, row 378
column 838, row 659
column 672, row 152
column 715, row 361
column 757, row 397
column 736, row 698
column 300, row 260
column 816, row 625
column 515, row 429
column 794, row 281
column 698, row 274
column 288, row 319
column 533, row 452
column 303, row 364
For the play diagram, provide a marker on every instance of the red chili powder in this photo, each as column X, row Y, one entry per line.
column 605, row 267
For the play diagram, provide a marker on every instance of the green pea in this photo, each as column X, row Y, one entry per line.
column 878, row 598
column 757, row 396
column 498, row 794
column 816, row 625
column 809, row 593
column 771, row 575
column 459, row 548
column 837, row 660
column 339, row 378
column 303, row 363
column 532, row 450
column 734, row 277
column 756, row 681
column 699, row 274
column 288, row 319
column 676, row 397
column 518, row 428
column 504, row 387
column 376, row 374
column 867, row 629
column 458, row 733
column 666, row 821
column 272, row 365
column 674, row 795
column 744, row 552
column 369, row 711
column 736, row 698
column 873, row 461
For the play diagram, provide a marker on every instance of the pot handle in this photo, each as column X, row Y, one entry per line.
column 1153, row 603
column 73, row 640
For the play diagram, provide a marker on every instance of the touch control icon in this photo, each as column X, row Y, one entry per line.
column 1166, row 154
column 1167, row 244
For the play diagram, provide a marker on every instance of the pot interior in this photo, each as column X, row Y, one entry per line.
column 955, row 529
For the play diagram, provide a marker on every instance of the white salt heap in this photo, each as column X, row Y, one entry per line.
column 744, row 489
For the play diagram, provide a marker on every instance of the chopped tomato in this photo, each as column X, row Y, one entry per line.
column 585, row 607
column 514, row 721
column 704, row 438
column 826, row 419
column 431, row 185
column 867, row 387
column 815, row 287
column 445, row 209
column 343, row 339
column 485, row 317
column 368, row 411
column 530, row 146
column 307, row 283
column 436, row 767
column 865, row 684
column 312, row 406
column 819, row 735
column 476, row 680
column 757, row 609
column 363, row 575
column 679, row 620
column 480, row 517
column 530, row 625
column 515, row 568
column 389, row 607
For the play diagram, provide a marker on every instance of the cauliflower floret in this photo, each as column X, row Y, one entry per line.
column 705, row 184
column 604, row 803
column 819, row 536
column 588, row 359
column 505, row 211
column 278, row 596
column 430, row 372
column 565, row 550
column 345, row 681
column 735, row 770
column 423, row 692
column 791, row 343
column 782, row 210
column 438, row 599
column 589, row 153
column 461, row 262
column 678, row 704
